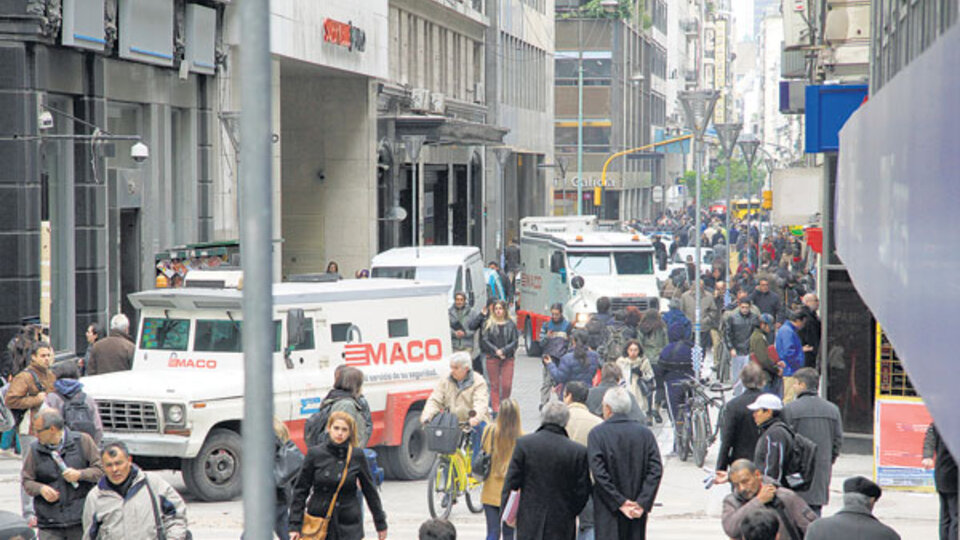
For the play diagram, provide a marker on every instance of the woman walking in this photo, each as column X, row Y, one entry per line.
column 498, row 440
column 638, row 376
column 652, row 335
column 499, row 343
column 327, row 487
column 581, row 364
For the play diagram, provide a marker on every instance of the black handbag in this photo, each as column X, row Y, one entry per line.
column 480, row 468
column 286, row 464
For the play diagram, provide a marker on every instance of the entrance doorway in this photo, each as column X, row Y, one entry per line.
column 129, row 262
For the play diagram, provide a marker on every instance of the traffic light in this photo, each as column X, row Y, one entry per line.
column 598, row 196
column 767, row 199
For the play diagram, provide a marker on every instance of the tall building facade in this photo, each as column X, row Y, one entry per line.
column 624, row 84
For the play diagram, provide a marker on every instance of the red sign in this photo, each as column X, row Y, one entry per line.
column 344, row 34
column 201, row 363
column 414, row 351
column 531, row 281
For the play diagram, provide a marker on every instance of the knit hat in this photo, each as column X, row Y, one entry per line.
column 862, row 485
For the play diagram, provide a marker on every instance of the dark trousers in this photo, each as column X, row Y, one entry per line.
column 817, row 509
column 948, row 516
column 494, row 528
column 70, row 533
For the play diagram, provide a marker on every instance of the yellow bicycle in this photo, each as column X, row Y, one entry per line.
column 452, row 476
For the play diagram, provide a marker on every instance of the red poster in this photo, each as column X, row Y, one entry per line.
column 901, row 426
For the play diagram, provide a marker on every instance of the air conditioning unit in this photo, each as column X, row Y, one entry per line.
column 437, row 103
column 478, row 93
column 420, row 100
column 847, row 23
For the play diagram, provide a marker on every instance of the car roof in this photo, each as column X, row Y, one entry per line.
column 425, row 256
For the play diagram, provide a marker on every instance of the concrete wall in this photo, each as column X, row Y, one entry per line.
column 328, row 124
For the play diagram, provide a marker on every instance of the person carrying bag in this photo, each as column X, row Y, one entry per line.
column 315, row 528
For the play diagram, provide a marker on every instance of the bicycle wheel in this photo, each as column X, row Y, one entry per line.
column 473, row 492
column 440, row 491
column 700, row 435
column 683, row 449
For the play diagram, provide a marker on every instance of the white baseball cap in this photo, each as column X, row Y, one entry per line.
column 766, row 401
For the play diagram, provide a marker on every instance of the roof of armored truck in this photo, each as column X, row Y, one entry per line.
column 596, row 239
column 290, row 294
column 425, row 256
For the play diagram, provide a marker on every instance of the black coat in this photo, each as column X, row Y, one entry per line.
column 551, row 472
column 738, row 433
column 945, row 468
column 773, row 449
column 595, row 402
column 810, row 335
column 769, row 303
column 500, row 336
column 319, row 477
column 625, row 462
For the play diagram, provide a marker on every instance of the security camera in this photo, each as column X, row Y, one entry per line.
column 139, row 152
column 45, row 120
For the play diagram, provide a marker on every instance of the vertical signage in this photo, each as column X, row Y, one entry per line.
column 720, row 70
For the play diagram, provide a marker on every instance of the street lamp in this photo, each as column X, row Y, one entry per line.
column 413, row 144
column 698, row 108
column 562, row 165
column 728, row 134
column 749, row 144
column 503, row 154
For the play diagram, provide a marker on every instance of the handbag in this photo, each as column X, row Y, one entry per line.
column 480, row 467
column 286, row 464
column 315, row 528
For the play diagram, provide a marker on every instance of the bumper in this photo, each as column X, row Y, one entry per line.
column 153, row 444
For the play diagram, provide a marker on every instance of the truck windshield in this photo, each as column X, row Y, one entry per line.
column 589, row 264
column 450, row 275
column 633, row 263
column 160, row 333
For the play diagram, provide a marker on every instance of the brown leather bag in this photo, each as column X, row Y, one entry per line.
column 315, row 528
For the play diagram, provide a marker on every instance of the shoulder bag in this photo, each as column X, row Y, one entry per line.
column 480, row 468
column 154, row 502
column 315, row 528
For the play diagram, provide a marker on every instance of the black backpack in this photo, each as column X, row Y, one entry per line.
column 77, row 415
column 615, row 342
column 801, row 465
column 598, row 332
column 315, row 428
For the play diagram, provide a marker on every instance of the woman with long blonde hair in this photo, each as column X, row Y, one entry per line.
column 499, row 343
column 499, row 439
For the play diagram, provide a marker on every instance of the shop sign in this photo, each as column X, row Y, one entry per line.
column 344, row 35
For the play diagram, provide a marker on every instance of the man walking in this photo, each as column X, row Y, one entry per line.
column 581, row 423
column 554, row 342
column 775, row 444
column 626, row 467
column 856, row 520
column 753, row 491
column 59, row 469
column 818, row 420
column 114, row 352
column 790, row 350
column 767, row 301
column 759, row 353
column 937, row 455
column 810, row 333
column 552, row 475
column 128, row 503
column 738, row 326
column 738, row 432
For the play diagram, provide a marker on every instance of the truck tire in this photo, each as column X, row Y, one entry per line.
column 530, row 346
column 214, row 475
column 411, row 460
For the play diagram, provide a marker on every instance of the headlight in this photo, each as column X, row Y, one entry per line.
column 581, row 320
column 173, row 414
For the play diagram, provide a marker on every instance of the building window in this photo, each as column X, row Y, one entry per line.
column 597, row 68
column 596, row 139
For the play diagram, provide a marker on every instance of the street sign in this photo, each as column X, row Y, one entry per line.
column 657, row 194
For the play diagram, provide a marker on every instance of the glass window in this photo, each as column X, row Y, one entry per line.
column 218, row 336
column 589, row 264
column 339, row 332
column 440, row 274
column 634, row 263
column 396, row 272
column 165, row 334
column 308, row 343
column 397, row 328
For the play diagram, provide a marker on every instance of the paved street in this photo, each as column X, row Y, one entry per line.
column 686, row 510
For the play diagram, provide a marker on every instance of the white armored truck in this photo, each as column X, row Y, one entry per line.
column 181, row 405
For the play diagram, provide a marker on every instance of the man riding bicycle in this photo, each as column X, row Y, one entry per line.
column 676, row 364
column 464, row 393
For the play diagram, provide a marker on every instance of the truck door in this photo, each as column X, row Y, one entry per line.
column 558, row 288
column 299, row 365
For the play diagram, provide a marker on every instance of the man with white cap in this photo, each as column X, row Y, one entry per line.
column 776, row 440
column 856, row 520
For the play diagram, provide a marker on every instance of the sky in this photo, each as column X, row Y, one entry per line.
column 743, row 13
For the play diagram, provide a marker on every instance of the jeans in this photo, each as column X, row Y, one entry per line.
column 476, row 437
column 775, row 386
column 586, row 533
column 948, row 516
column 494, row 527
column 500, row 372
column 737, row 365
column 546, row 385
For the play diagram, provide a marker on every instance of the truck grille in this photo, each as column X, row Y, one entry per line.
column 641, row 302
column 129, row 416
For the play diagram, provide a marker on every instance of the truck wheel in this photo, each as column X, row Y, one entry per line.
column 214, row 475
column 531, row 346
column 411, row 460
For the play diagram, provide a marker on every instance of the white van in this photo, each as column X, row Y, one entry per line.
column 458, row 267
column 181, row 405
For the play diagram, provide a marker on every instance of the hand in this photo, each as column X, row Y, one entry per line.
column 781, row 364
column 42, row 396
column 382, row 535
column 71, row 475
column 546, row 359
column 808, row 348
column 500, row 353
column 721, row 477
column 733, row 352
column 926, row 463
column 766, row 493
column 49, row 494
column 629, row 509
column 474, row 421
column 459, row 333
column 294, row 535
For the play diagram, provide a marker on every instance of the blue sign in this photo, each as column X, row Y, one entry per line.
column 828, row 108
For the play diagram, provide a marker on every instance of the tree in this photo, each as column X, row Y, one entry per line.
column 714, row 182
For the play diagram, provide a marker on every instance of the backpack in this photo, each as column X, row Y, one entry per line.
column 801, row 465
column 599, row 332
column 615, row 342
column 78, row 416
column 316, row 427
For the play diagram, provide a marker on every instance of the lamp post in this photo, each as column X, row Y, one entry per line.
column 748, row 147
column 728, row 135
column 503, row 154
column 579, row 117
column 698, row 108
column 413, row 144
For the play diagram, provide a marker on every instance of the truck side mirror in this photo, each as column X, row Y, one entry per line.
column 577, row 282
column 471, row 298
column 296, row 327
column 556, row 262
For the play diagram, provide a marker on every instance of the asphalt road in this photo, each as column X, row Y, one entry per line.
column 685, row 510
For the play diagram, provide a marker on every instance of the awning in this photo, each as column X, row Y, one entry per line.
column 444, row 130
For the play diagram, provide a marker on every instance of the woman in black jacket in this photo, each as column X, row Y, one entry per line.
column 499, row 342
column 320, row 476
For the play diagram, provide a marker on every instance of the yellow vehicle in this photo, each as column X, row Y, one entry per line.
column 742, row 206
column 451, row 476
